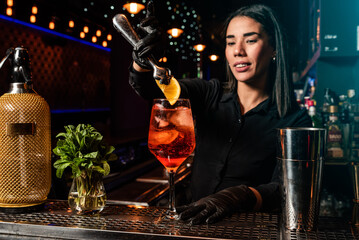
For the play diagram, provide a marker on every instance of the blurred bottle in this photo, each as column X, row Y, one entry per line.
column 335, row 136
column 355, row 132
column 306, row 102
column 347, row 115
column 298, row 96
column 345, row 124
column 325, row 107
column 351, row 101
column 316, row 120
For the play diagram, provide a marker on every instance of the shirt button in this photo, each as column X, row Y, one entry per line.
column 239, row 121
column 230, row 140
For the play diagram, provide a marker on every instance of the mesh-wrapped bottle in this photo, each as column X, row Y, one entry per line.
column 25, row 139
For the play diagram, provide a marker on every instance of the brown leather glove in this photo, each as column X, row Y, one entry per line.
column 219, row 205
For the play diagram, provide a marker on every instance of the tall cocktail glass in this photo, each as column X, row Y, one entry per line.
column 171, row 139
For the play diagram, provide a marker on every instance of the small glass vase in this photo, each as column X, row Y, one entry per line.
column 87, row 194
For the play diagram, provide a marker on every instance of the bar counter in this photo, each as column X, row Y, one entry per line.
column 137, row 222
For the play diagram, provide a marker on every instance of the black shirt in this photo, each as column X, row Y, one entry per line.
column 231, row 149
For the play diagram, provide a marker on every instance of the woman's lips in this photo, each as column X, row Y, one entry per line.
column 241, row 67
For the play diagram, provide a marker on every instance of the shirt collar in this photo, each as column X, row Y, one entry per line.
column 265, row 106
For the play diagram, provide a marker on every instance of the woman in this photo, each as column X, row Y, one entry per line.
column 236, row 122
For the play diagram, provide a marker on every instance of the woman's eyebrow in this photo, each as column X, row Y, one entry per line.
column 245, row 34
column 251, row 33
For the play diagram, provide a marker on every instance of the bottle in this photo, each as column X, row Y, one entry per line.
column 345, row 124
column 316, row 121
column 335, row 136
column 325, row 107
column 306, row 102
column 351, row 103
column 355, row 134
column 25, row 146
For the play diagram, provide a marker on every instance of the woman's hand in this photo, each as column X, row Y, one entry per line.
column 152, row 40
column 219, row 205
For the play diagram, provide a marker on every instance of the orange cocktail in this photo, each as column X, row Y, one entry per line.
column 171, row 136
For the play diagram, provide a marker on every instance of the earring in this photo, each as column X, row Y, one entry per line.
column 273, row 58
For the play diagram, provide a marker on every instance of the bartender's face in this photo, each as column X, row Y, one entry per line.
column 248, row 51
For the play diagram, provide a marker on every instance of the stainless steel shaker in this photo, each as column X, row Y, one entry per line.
column 300, row 155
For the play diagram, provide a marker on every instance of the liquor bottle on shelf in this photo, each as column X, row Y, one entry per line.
column 306, row 102
column 345, row 123
column 335, row 137
column 325, row 108
column 25, row 146
column 351, row 102
column 316, row 121
column 355, row 133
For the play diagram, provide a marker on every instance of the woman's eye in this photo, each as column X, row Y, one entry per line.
column 251, row 40
column 230, row 43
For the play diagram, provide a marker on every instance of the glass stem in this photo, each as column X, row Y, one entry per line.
column 171, row 182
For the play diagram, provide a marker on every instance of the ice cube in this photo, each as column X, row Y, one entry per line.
column 161, row 123
column 162, row 137
column 182, row 117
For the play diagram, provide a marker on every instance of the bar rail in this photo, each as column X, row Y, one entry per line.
column 56, row 221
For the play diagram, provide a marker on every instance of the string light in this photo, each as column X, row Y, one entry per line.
column 164, row 59
column 104, row 44
column 51, row 25
column 175, row 32
column 34, row 10
column 32, row 18
column 9, row 11
column 213, row 57
column 199, row 47
column 133, row 7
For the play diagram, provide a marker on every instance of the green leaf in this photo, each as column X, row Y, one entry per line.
column 92, row 155
column 61, row 135
column 83, row 143
column 56, row 151
column 106, row 168
column 59, row 163
column 78, row 161
column 60, row 168
column 98, row 169
column 76, row 172
column 109, row 150
column 87, row 165
column 59, row 172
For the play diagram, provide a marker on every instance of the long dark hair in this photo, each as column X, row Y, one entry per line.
column 279, row 84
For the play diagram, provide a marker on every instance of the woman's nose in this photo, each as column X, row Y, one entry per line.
column 238, row 50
